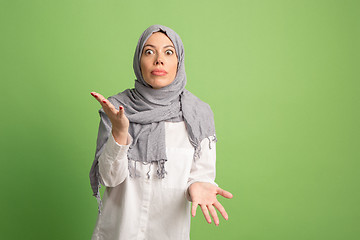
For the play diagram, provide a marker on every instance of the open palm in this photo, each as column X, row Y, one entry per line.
column 204, row 195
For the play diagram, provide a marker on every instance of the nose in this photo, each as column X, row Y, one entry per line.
column 159, row 60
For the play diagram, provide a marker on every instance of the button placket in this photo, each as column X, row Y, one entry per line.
column 145, row 206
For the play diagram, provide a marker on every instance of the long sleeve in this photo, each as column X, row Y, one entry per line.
column 113, row 162
column 103, row 135
column 132, row 208
column 203, row 169
column 107, row 157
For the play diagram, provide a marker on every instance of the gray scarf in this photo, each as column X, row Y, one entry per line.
column 147, row 110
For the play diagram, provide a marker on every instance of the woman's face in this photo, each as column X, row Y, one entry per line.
column 158, row 61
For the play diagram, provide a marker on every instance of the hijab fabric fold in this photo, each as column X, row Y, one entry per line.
column 147, row 110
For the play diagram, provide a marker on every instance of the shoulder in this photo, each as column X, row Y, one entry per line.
column 196, row 103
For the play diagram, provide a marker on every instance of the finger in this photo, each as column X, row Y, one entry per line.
column 121, row 111
column 100, row 98
column 97, row 96
column 206, row 213
column 213, row 214
column 93, row 94
column 107, row 106
column 193, row 208
column 221, row 209
column 224, row 193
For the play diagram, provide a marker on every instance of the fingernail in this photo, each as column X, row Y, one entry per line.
column 104, row 101
column 121, row 108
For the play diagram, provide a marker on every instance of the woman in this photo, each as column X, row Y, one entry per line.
column 155, row 149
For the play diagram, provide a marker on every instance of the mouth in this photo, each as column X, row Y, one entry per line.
column 159, row 72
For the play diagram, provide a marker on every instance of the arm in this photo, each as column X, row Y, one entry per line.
column 202, row 189
column 113, row 143
column 113, row 162
column 204, row 168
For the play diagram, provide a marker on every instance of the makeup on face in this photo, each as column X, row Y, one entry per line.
column 158, row 61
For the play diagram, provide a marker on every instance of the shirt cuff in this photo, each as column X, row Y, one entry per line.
column 115, row 150
column 128, row 140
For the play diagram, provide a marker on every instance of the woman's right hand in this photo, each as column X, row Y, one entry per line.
column 120, row 123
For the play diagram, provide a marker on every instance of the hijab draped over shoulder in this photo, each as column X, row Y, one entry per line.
column 147, row 110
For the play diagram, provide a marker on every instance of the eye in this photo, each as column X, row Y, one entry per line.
column 169, row 52
column 149, row 51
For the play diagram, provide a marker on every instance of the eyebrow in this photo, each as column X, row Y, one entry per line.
column 149, row 45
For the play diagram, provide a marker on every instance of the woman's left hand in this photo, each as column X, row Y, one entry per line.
column 204, row 194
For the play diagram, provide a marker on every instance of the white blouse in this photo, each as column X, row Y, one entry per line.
column 146, row 207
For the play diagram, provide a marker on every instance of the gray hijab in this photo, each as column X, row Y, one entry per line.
column 147, row 110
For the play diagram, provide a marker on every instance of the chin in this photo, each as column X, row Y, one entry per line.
column 160, row 83
column 158, row 86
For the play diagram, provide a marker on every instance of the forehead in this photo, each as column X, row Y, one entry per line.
column 159, row 39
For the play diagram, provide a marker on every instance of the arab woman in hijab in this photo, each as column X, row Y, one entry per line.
column 155, row 149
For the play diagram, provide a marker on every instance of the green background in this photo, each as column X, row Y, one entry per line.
column 282, row 78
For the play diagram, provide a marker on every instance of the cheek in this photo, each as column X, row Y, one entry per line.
column 143, row 67
column 174, row 66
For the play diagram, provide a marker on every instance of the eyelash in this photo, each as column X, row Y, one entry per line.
column 149, row 51
column 169, row 51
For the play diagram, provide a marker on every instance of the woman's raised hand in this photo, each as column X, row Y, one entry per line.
column 204, row 195
column 120, row 123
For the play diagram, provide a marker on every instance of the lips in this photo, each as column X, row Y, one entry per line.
column 159, row 72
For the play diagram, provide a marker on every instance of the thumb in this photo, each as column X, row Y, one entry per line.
column 121, row 110
column 224, row 193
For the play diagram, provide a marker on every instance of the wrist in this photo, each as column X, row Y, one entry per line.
column 120, row 136
column 120, row 130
